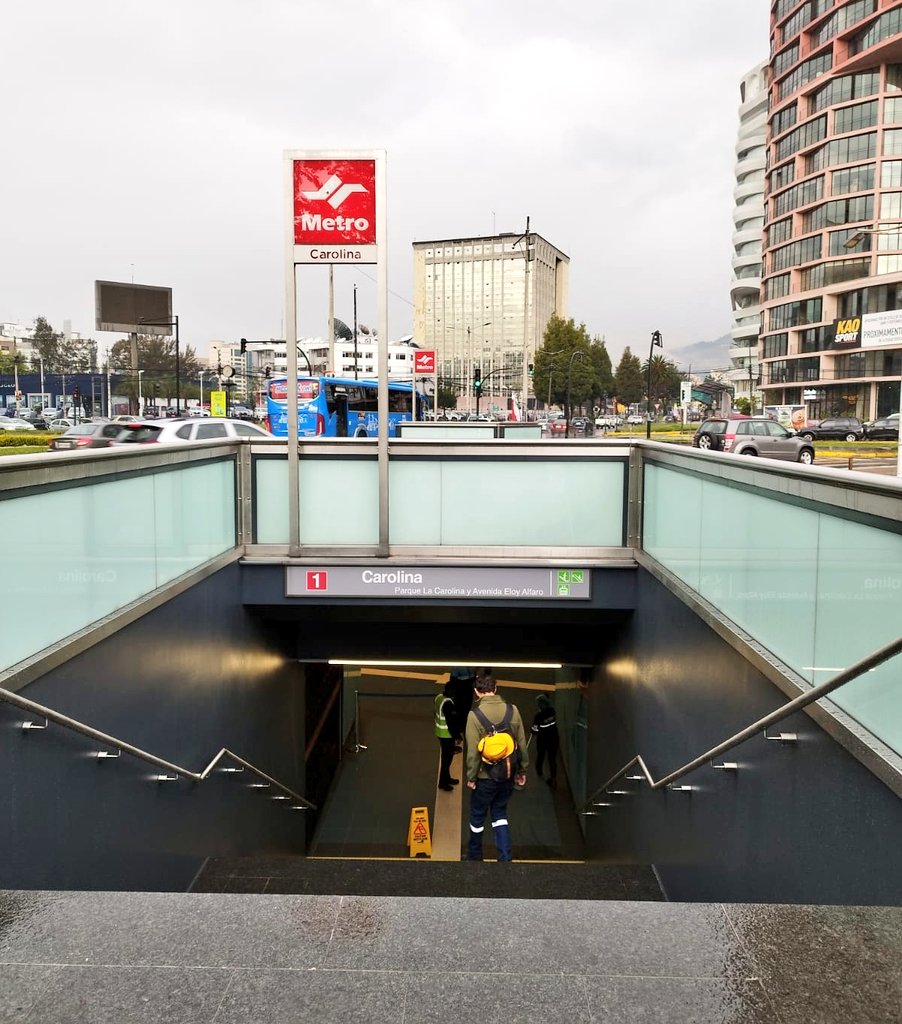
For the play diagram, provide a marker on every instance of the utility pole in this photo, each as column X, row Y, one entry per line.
column 330, row 327
column 525, row 238
column 355, row 333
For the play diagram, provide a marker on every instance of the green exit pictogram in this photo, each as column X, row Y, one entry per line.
column 566, row 576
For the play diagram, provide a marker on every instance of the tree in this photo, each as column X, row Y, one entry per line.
column 555, row 367
column 604, row 374
column 46, row 343
column 629, row 384
column 447, row 396
column 156, row 357
column 665, row 380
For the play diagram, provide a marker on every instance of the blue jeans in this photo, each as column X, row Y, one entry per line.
column 490, row 797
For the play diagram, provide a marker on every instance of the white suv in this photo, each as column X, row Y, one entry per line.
column 183, row 431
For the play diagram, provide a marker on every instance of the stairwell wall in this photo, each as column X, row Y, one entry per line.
column 797, row 823
column 197, row 674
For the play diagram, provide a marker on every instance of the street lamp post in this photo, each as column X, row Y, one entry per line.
column 200, row 374
column 655, row 340
column 577, row 354
column 140, row 396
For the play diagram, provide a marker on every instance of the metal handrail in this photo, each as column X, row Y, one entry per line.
column 803, row 700
column 86, row 730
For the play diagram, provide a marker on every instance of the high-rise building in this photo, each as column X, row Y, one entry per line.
column 832, row 286
column 748, row 223
column 484, row 303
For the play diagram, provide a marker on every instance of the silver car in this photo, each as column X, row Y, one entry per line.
column 760, row 436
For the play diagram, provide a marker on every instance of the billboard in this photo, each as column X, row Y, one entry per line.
column 881, row 328
column 123, row 307
column 871, row 329
column 790, row 416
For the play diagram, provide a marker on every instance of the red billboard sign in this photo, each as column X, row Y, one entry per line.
column 424, row 361
column 334, row 202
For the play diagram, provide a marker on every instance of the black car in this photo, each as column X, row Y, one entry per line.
column 837, row 428
column 884, row 429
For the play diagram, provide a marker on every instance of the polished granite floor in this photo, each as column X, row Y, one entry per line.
column 186, row 958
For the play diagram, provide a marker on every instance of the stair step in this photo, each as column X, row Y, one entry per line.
column 556, row 880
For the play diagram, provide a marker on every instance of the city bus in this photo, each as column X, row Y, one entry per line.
column 339, row 406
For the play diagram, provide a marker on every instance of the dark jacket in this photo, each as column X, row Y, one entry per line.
column 493, row 707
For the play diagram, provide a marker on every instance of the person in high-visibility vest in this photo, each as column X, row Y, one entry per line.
column 445, row 730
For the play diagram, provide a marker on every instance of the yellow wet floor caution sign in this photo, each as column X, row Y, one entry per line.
column 418, row 833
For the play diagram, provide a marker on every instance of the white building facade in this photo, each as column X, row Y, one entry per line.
column 484, row 303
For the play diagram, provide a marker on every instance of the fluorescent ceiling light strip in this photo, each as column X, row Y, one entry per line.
column 445, row 663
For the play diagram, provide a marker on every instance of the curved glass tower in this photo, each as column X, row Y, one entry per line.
column 748, row 223
column 832, row 282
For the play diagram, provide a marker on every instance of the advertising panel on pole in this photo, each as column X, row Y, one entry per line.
column 333, row 208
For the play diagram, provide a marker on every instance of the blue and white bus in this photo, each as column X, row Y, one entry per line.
column 339, row 406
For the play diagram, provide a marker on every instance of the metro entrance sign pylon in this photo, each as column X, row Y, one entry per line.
column 334, row 203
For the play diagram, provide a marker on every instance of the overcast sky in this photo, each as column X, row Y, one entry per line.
column 144, row 141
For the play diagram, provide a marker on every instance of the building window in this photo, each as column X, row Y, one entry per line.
column 885, row 26
column 777, row 287
column 776, row 345
column 852, row 179
column 841, row 20
column 784, row 61
column 851, row 119
column 794, row 314
column 779, row 232
column 799, row 195
column 782, row 176
column 805, row 73
column 805, row 135
column 838, row 241
column 892, row 141
column 889, row 264
column 846, row 87
column 803, row 251
column 843, row 151
column 846, row 270
column 891, row 174
column 815, row 339
column 784, row 119
column 891, row 205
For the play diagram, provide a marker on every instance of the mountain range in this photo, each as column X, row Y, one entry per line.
column 703, row 356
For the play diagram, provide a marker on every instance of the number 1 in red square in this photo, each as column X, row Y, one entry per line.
column 317, row 580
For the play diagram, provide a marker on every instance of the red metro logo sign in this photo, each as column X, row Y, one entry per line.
column 334, row 209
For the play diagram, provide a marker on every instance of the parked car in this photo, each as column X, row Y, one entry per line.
column 837, row 428
column 15, row 424
column 709, row 434
column 884, row 429
column 753, row 435
column 635, row 419
column 87, row 435
column 186, row 430
column 61, row 425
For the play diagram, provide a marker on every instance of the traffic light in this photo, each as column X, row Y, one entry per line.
column 76, row 394
column 531, row 368
column 267, row 372
column 243, row 345
column 477, row 380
